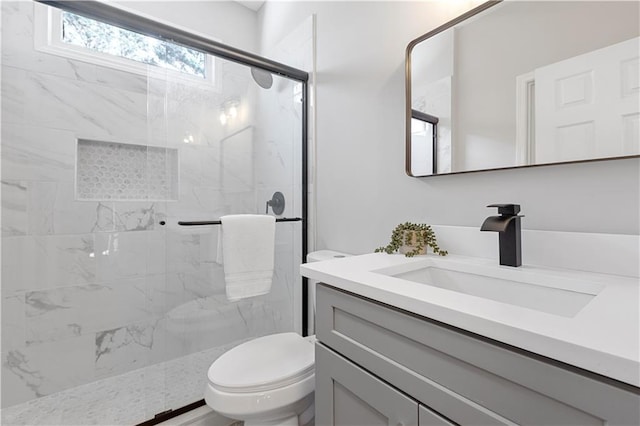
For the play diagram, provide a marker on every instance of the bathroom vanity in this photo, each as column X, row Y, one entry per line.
column 407, row 342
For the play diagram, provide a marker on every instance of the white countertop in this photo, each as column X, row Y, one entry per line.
column 602, row 337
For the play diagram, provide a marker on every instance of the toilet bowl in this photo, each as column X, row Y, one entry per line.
column 268, row 381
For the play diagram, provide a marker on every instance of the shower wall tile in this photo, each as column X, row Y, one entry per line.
column 14, row 208
column 29, row 60
column 123, row 349
column 235, row 78
column 15, row 259
column 209, row 281
column 244, row 202
column 30, row 152
column 161, row 294
column 113, row 78
column 80, row 217
column 138, row 216
column 210, row 162
column 156, row 253
column 17, row 20
column 209, row 245
column 15, row 56
column 43, row 369
column 274, row 157
column 13, row 96
column 166, row 292
column 183, row 251
column 207, row 203
column 61, row 313
column 43, row 262
column 19, row 54
column 199, row 203
column 127, row 303
column 121, row 255
column 16, row 386
column 157, row 122
column 194, row 160
column 17, row 16
column 78, row 310
column 41, row 207
column 179, row 112
column 93, row 111
column 237, row 162
column 13, row 321
column 74, row 217
column 27, row 207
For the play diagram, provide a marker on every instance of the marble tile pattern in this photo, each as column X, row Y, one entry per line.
column 109, row 317
column 118, row 171
column 127, row 398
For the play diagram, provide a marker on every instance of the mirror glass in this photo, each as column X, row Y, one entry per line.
column 524, row 83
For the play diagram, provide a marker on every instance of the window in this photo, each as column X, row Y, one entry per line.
column 67, row 34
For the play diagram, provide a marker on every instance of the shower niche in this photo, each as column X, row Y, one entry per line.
column 120, row 171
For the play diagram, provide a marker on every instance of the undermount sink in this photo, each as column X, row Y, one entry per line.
column 553, row 295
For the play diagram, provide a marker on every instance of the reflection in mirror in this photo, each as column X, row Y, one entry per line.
column 424, row 139
column 525, row 83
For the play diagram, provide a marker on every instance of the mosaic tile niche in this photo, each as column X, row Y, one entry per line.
column 119, row 171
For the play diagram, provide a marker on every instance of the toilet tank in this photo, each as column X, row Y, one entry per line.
column 317, row 256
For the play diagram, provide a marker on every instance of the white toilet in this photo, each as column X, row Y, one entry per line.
column 268, row 381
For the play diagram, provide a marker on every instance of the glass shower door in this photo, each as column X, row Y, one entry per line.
column 237, row 143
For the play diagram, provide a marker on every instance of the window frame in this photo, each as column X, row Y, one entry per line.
column 48, row 39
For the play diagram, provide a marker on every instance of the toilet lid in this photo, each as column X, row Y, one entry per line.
column 264, row 363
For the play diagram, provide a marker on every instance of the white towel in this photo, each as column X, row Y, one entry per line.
column 248, row 246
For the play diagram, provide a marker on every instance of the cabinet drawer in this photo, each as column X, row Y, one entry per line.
column 346, row 395
column 469, row 379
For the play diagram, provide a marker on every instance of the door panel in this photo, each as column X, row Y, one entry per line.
column 587, row 106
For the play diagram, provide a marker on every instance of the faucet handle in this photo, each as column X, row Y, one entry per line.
column 507, row 209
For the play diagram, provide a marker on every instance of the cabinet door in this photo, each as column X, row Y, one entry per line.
column 347, row 395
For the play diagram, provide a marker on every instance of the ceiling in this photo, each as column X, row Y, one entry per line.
column 251, row 4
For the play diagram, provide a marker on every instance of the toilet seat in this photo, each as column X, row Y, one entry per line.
column 263, row 364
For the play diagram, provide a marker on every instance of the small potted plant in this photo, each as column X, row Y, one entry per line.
column 412, row 239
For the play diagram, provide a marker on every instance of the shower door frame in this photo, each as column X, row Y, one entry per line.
column 133, row 22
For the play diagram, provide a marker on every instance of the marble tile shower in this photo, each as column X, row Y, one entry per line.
column 105, row 310
column 118, row 171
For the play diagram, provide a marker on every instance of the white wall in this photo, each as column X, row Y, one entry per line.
column 226, row 21
column 362, row 189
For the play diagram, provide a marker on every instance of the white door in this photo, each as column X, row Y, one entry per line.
column 588, row 106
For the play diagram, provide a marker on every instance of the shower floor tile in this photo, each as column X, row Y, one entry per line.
column 126, row 399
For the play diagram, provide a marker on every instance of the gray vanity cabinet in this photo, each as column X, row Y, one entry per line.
column 350, row 396
column 376, row 364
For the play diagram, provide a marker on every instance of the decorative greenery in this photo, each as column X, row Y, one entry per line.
column 418, row 236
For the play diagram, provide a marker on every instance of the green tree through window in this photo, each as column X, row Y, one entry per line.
column 105, row 38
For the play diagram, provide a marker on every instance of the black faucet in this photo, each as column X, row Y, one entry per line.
column 508, row 227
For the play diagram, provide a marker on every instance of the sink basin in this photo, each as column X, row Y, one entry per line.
column 552, row 295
